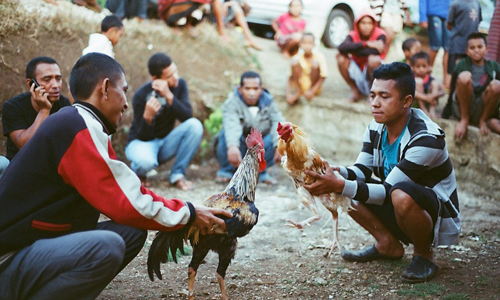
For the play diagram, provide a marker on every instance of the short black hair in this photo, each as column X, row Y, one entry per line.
column 408, row 43
column 157, row 63
column 308, row 34
column 250, row 74
column 401, row 73
column 109, row 22
column 477, row 35
column 420, row 55
column 89, row 70
column 290, row 4
column 31, row 67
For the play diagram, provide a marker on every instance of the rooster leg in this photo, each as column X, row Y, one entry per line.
column 222, row 285
column 191, row 275
column 300, row 225
column 335, row 242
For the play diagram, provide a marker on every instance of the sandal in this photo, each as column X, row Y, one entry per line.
column 419, row 270
column 366, row 255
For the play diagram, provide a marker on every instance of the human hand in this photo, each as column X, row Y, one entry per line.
column 41, row 97
column 325, row 183
column 234, row 156
column 207, row 220
column 378, row 44
column 161, row 86
column 424, row 24
column 151, row 109
column 309, row 95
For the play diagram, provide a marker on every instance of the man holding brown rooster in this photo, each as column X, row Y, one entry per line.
column 415, row 199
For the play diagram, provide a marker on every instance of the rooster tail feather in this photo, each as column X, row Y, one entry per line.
column 163, row 243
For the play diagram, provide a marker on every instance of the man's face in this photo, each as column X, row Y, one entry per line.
column 251, row 90
column 387, row 107
column 171, row 75
column 476, row 50
column 49, row 77
column 365, row 27
column 116, row 103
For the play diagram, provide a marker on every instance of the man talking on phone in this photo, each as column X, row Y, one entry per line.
column 23, row 114
column 153, row 138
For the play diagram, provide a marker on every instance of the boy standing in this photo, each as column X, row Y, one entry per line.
column 463, row 19
column 411, row 46
column 111, row 32
column 308, row 72
column 362, row 51
column 427, row 90
column 475, row 89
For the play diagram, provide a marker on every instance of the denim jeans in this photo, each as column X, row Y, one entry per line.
column 227, row 170
column 439, row 36
column 4, row 163
column 128, row 8
column 182, row 142
column 74, row 266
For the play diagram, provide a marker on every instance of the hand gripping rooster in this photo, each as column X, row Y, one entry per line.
column 238, row 198
column 298, row 155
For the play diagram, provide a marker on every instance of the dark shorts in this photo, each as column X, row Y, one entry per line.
column 424, row 197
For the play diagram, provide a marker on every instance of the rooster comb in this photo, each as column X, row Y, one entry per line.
column 254, row 138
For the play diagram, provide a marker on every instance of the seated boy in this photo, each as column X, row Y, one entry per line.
column 308, row 72
column 411, row 46
column 475, row 89
column 111, row 31
column 361, row 52
column 427, row 90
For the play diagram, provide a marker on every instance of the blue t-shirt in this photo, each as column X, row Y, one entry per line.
column 390, row 152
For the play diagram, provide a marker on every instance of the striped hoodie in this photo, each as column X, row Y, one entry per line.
column 423, row 159
column 67, row 174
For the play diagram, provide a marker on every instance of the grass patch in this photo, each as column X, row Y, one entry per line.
column 456, row 296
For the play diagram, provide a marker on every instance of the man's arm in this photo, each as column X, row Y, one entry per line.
column 21, row 136
column 181, row 104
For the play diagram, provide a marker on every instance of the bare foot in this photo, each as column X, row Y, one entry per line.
column 483, row 128
column 292, row 99
column 461, row 129
column 183, row 184
column 253, row 45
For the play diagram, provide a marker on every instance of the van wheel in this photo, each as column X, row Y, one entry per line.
column 337, row 27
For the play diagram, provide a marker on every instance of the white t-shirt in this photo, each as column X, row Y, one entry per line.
column 99, row 43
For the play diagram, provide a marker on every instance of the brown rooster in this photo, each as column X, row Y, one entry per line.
column 238, row 198
column 298, row 155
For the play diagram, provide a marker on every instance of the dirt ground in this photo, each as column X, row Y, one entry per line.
column 278, row 262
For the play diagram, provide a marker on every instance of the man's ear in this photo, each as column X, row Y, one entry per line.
column 408, row 100
column 104, row 88
column 28, row 82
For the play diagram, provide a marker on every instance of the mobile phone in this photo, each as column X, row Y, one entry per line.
column 33, row 81
column 159, row 97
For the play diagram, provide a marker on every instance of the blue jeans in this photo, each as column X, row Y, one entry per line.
column 128, row 8
column 182, row 142
column 74, row 266
column 439, row 36
column 4, row 163
column 227, row 170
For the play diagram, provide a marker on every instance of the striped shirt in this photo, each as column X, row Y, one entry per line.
column 423, row 159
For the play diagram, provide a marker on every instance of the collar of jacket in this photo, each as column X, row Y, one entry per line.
column 98, row 115
column 264, row 100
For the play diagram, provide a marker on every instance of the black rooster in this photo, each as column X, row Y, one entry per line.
column 238, row 198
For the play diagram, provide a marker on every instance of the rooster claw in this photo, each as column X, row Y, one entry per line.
column 299, row 225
